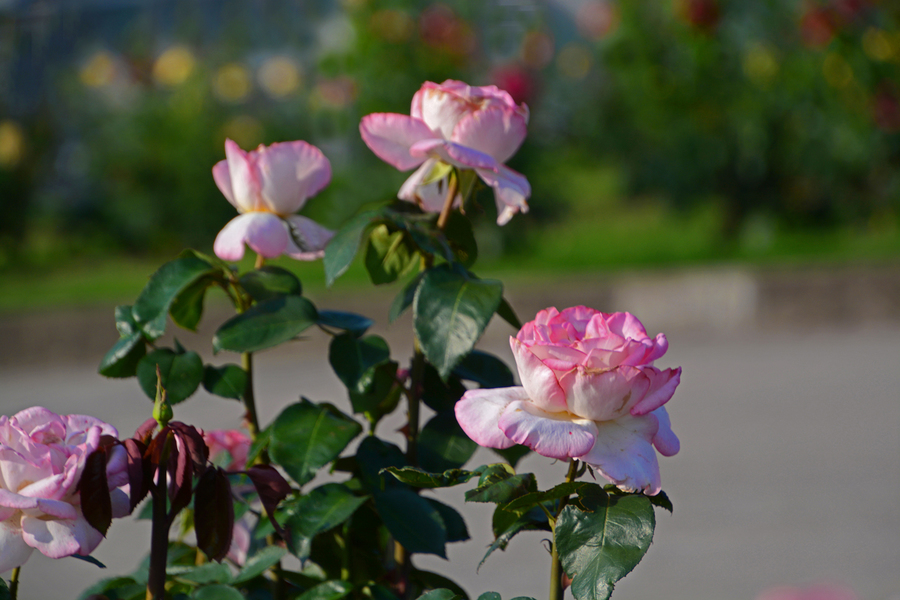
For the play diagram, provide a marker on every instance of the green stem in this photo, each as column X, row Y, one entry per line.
column 452, row 189
column 14, row 583
column 250, row 401
column 159, row 533
column 556, row 571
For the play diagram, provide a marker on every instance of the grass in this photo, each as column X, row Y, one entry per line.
column 599, row 230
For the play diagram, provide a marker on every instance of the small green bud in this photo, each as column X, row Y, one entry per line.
column 162, row 412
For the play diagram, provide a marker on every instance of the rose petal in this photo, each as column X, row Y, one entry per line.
column 441, row 106
column 313, row 236
column 665, row 440
column 430, row 197
column 290, row 173
column 662, row 386
column 266, row 233
column 623, row 453
column 606, row 395
column 555, row 435
column 14, row 552
column 538, row 379
column 495, row 131
column 511, row 192
column 222, row 177
column 454, row 154
column 54, row 539
column 390, row 136
column 244, row 178
column 478, row 413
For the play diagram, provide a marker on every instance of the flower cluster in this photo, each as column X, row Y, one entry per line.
column 42, row 457
column 589, row 392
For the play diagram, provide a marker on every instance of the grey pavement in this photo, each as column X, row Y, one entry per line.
column 788, row 414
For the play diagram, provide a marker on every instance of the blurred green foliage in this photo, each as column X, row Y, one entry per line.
column 743, row 118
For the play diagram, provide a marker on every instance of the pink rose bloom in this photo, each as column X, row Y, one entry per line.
column 452, row 123
column 42, row 456
column 234, row 441
column 589, row 392
column 267, row 186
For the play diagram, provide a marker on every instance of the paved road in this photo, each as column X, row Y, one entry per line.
column 789, row 471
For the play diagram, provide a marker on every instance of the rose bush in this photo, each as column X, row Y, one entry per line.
column 42, row 457
column 589, row 392
column 267, row 186
column 454, row 124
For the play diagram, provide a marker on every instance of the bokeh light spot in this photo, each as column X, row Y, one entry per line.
column 335, row 93
column 232, row 82
column 245, row 130
column 99, row 70
column 537, row 49
column 279, row 76
column 836, row 70
column 394, row 26
column 760, row 64
column 878, row 44
column 12, row 144
column 174, row 66
column 597, row 19
column 574, row 61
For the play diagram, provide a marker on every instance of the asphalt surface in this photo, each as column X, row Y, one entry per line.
column 788, row 413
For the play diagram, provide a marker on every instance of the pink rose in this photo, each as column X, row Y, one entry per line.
column 589, row 392
column 452, row 123
column 267, row 186
column 820, row 591
column 42, row 456
column 233, row 441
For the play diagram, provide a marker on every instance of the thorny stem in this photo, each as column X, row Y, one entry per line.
column 14, row 583
column 556, row 572
column 159, row 534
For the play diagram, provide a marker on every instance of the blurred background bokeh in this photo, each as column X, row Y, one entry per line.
column 709, row 130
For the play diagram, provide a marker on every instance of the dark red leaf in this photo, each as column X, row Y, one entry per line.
column 272, row 489
column 146, row 429
column 157, row 445
column 140, row 471
column 181, row 478
column 214, row 514
column 94, row 490
column 193, row 441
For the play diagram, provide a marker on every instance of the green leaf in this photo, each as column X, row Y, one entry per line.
column 329, row 590
column 490, row 596
column 529, row 501
column 405, row 298
column 164, row 286
column 461, row 238
column 440, row 395
column 181, row 373
column 388, row 254
column 211, row 572
column 259, row 445
column 600, row 547
column 499, row 486
column 319, row 510
column 453, row 521
column 227, row 381
column 661, row 500
column 450, row 312
column 507, row 525
column 217, row 592
column 382, row 396
column 266, row 324
column 413, row 522
column 123, row 358
column 270, row 282
column 114, row 588
column 485, row 369
column 354, row 359
column 506, row 312
column 125, row 323
column 375, row 455
column 443, row 444
column 349, row 322
column 306, row 436
column 441, row 594
column 422, row 479
column 435, row 581
column 341, row 250
column 258, row 563
column 87, row 559
column 187, row 307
